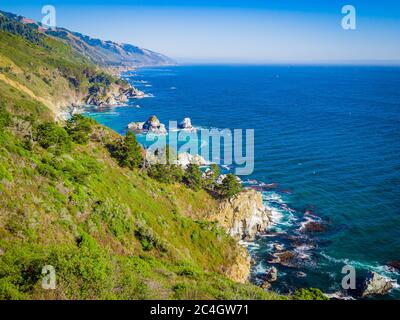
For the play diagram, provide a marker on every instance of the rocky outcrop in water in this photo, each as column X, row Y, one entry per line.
column 186, row 124
column 271, row 276
column 285, row 258
column 152, row 125
column 376, row 284
column 244, row 215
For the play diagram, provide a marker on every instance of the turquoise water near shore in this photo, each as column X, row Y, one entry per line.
column 328, row 136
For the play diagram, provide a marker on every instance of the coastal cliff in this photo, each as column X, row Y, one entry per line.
column 243, row 215
column 239, row 271
column 74, row 195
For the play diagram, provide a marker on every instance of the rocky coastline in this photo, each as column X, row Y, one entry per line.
column 245, row 216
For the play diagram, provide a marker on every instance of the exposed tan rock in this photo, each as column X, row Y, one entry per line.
column 243, row 215
column 376, row 284
column 240, row 269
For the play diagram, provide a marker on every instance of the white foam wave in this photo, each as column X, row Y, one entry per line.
column 381, row 269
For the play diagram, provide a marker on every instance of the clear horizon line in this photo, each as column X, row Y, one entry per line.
column 376, row 62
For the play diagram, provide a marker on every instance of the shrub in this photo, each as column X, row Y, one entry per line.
column 193, row 177
column 51, row 135
column 79, row 128
column 5, row 117
column 230, row 186
column 166, row 173
column 128, row 152
column 309, row 294
column 148, row 239
column 211, row 178
column 116, row 217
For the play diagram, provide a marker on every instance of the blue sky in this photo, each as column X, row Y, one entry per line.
column 252, row 31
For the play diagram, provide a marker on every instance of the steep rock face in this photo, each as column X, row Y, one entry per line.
column 239, row 271
column 114, row 95
column 244, row 215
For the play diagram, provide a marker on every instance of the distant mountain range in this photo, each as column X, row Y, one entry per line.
column 107, row 54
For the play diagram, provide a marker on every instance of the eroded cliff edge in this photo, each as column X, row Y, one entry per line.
column 242, row 217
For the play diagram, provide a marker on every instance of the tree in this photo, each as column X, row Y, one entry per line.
column 128, row 151
column 79, row 128
column 167, row 173
column 51, row 135
column 230, row 186
column 212, row 176
column 165, row 168
column 193, row 177
column 215, row 171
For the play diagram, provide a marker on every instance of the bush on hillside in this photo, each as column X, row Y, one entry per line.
column 79, row 128
column 166, row 173
column 128, row 151
column 51, row 135
column 193, row 177
column 5, row 117
column 309, row 294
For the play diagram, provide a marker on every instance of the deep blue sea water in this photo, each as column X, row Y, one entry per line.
column 329, row 137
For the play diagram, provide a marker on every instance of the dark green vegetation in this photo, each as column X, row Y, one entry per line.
column 195, row 179
column 309, row 294
column 75, row 196
column 20, row 29
column 127, row 151
column 230, row 186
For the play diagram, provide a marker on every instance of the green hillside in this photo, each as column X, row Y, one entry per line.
column 110, row 230
column 74, row 195
column 47, row 70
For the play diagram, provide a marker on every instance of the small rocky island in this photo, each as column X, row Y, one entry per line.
column 153, row 125
column 186, row 125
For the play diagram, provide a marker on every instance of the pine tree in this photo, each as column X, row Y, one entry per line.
column 193, row 177
column 128, row 152
column 230, row 186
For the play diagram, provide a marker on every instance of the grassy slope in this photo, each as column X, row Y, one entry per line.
column 46, row 71
column 110, row 232
column 50, row 72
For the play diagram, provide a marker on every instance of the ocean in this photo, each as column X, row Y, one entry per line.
column 327, row 139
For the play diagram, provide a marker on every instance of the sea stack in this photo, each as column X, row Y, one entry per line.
column 186, row 124
column 152, row 125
